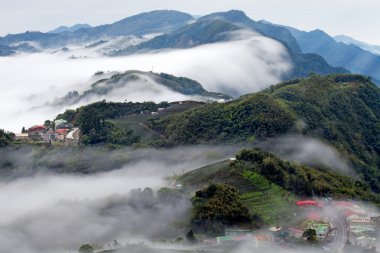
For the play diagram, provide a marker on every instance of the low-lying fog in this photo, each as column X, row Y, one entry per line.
column 46, row 210
column 245, row 64
column 51, row 212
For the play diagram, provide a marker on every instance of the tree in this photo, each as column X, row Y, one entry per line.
column 217, row 206
column 86, row 248
column 310, row 233
column 5, row 138
column 190, row 237
column 48, row 123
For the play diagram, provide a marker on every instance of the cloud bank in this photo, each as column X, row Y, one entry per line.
column 51, row 212
column 234, row 67
column 309, row 151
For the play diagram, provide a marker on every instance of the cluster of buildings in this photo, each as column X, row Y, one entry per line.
column 361, row 225
column 59, row 131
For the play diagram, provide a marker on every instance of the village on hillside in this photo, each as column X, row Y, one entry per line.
column 58, row 131
column 324, row 225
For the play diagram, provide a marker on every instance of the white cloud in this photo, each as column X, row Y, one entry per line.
column 236, row 67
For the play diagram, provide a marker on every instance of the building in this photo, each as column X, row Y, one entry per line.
column 262, row 241
column 36, row 133
column 72, row 138
column 361, row 225
column 309, row 203
column 322, row 231
column 62, row 124
column 22, row 137
column 60, row 134
column 224, row 239
column 59, row 122
column 236, row 232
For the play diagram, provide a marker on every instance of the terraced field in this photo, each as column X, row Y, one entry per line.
column 139, row 122
column 267, row 201
column 271, row 203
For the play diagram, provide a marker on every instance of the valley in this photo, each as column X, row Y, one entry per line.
column 165, row 131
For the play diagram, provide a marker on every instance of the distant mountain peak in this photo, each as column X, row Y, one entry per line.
column 73, row 28
column 231, row 15
column 364, row 45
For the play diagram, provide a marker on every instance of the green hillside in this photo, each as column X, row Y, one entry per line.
column 270, row 186
column 342, row 110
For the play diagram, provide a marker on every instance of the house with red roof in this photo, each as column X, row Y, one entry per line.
column 35, row 133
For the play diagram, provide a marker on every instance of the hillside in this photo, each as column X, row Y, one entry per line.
column 269, row 186
column 342, row 110
column 129, row 81
column 304, row 64
column 199, row 33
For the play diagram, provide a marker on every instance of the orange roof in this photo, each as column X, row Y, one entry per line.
column 36, row 128
column 309, row 203
column 62, row 131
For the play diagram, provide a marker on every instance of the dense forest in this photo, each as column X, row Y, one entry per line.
column 303, row 180
column 343, row 110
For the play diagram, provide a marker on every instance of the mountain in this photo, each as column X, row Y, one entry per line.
column 139, row 25
column 338, row 54
column 217, row 27
column 272, row 31
column 109, row 84
column 365, row 46
column 304, row 63
column 177, row 29
column 342, row 110
column 198, row 33
column 69, row 29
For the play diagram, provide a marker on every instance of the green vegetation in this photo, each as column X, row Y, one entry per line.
column 269, row 186
column 5, row 138
column 267, row 202
column 86, row 248
column 303, row 180
column 109, row 110
column 343, row 110
column 217, row 206
column 92, row 120
column 139, row 123
column 259, row 116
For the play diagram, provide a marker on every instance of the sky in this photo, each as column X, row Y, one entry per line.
column 358, row 19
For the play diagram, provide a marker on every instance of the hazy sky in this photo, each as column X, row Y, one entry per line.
column 358, row 19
